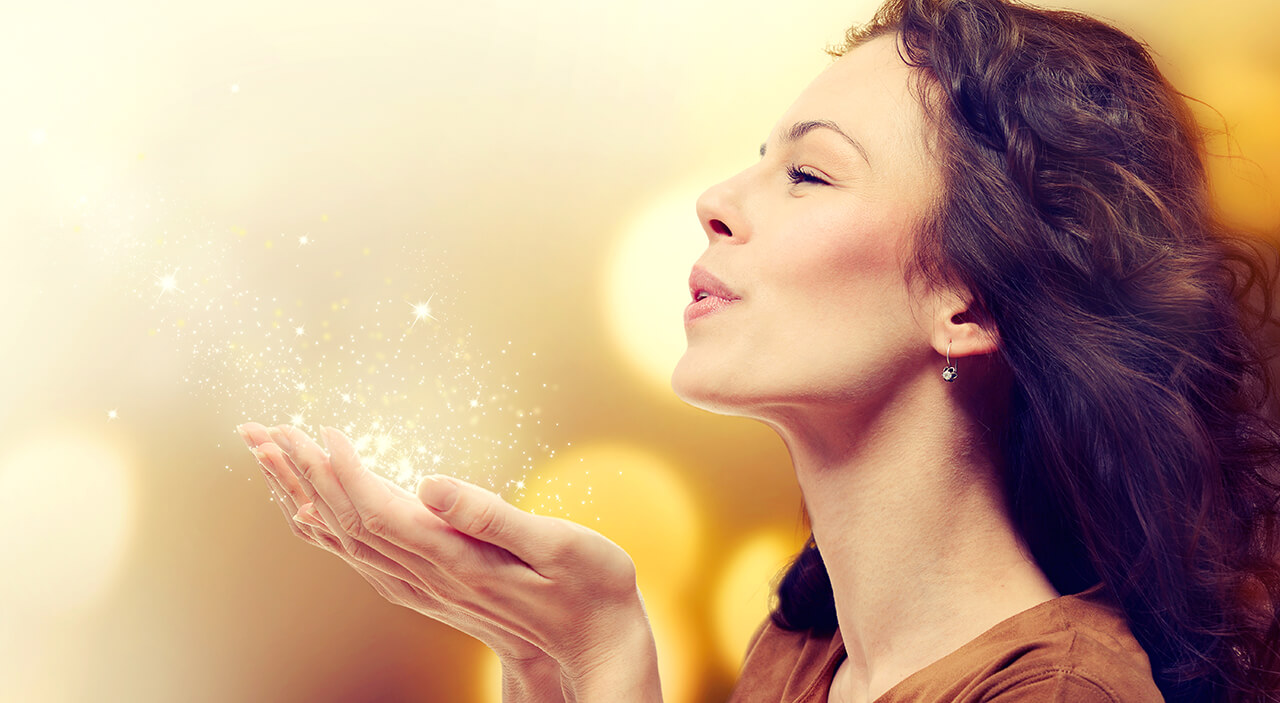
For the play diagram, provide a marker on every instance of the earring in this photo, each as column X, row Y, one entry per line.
column 949, row 373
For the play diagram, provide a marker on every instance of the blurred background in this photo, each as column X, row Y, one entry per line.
column 461, row 231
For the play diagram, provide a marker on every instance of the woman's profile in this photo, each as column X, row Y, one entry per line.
column 978, row 286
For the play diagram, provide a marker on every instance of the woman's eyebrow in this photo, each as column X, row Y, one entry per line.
column 800, row 129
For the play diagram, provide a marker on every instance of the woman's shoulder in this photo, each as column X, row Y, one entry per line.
column 1072, row 648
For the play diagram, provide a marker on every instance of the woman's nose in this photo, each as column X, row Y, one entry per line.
column 718, row 212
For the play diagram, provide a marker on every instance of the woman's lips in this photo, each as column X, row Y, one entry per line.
column 709, row 294
column 706, row 306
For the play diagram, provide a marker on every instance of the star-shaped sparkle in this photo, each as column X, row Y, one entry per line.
column 168, row 282
column 421, row 310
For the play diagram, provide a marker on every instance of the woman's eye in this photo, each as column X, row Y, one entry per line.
column 798, row 175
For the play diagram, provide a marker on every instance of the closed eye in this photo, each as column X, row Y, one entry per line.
column 798, row 175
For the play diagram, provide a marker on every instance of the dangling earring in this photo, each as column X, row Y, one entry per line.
column 949, row 373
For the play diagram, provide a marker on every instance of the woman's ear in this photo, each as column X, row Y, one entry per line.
column 962, row 325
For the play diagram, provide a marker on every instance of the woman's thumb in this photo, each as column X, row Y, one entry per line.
column 474, row 511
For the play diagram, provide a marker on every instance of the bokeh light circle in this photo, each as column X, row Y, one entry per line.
column 630, row 495
column 743, row 591
column 679, row 662
column 647, row 284
column 66, row 503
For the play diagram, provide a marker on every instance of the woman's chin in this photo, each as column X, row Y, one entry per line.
column 703, row 389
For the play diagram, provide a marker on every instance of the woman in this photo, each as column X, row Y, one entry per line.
column 975, row 284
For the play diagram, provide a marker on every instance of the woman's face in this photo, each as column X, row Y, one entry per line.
column 811, row 240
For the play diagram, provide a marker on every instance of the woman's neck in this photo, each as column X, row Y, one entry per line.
column 912, row 526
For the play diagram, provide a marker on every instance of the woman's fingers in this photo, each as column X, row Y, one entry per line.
column 317, row 477
column 384, row 514
column 308, row 515
column 397, row 575
column 370, row 498
column 485, row 516
column 279, row 475
column 284, row 473
column 389, row 579
column 280, row 497
column 372, row 519
column 359, row 516
column 277, row 493
column 274, row 461
column 394, row 580
column 289, row 475
column 350, row 527
column 253, row 434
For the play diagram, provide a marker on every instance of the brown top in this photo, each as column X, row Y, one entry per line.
column 1074, row 648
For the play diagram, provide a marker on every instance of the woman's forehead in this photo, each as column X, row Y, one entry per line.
column 869, row 81
column 868, row 93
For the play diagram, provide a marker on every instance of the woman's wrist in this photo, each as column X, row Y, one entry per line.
column 535, row 680
column 624, row 668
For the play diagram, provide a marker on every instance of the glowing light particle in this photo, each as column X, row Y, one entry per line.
column 304, row 240
column 295, row 420
column 383, row 444
column 168, row 282
column 235, row 87
column 421, row 311
column 299, row 331
column 112, row 414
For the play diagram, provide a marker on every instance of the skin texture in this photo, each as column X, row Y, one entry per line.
column 831, row 348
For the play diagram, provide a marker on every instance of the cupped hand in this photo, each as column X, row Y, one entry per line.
column 527, row 586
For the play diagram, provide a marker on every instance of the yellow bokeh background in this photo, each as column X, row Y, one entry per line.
column 547, row 155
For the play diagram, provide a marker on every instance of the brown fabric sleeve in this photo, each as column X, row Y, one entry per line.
column 1056, row 686
column 755, row 639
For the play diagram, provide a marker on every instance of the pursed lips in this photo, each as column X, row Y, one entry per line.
column 703, row 284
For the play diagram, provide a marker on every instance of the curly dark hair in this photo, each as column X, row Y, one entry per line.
column 1141, row 450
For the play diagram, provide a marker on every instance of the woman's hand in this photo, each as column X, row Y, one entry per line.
column 548, row 596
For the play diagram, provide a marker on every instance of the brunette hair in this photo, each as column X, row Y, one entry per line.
column 1139, row 451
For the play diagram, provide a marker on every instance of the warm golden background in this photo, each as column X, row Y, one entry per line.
column 533, row 167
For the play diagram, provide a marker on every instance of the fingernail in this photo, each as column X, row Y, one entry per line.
column 306, row 516
column 281, row 439
column 324, row 438
column 244, row 435
column 439, row 493
column 264, row 460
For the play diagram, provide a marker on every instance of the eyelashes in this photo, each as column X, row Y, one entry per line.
column 798, row 175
